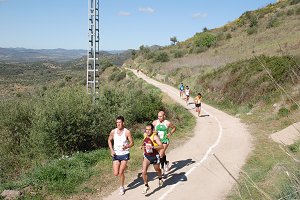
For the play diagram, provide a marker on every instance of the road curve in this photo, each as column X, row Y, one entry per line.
column 196, row 173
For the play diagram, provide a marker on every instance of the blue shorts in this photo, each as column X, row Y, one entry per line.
column 121, row 157
column 153, row 159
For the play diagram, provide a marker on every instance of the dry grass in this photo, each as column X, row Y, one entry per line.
column 285, row 37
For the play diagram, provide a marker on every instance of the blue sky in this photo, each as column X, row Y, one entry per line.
column 124, row 24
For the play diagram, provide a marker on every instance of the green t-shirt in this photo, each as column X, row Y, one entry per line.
column 162, row 131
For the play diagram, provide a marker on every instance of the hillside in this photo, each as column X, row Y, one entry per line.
column 272, row 30
column 21, row 55
column 51, row 131
column 22, row 71
column 249, row 68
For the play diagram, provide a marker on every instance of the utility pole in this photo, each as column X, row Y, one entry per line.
column 93, row 56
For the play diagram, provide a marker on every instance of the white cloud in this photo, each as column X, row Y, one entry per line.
column 199, row 15
column 147, row 10
column 2, row 1
column 123, row 13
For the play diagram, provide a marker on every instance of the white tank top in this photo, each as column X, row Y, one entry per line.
column 119, row 142
column 187, row 92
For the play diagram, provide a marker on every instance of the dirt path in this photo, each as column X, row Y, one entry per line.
column 195, row 172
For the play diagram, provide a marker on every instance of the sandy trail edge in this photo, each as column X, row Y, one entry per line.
column 195, row 172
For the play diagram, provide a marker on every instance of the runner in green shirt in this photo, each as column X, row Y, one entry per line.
column 162, row 127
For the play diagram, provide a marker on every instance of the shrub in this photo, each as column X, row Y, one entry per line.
column 205, row 39
column 294, row 147
column 253, row 21
column 16, row 119
column 64, row 123
column 161, row 57
column 117, row 75
column 293, row 2
column 290, row 12
column 178, row 54
column 240, row 22
column 294, row 107
column 283, row 112
column 149, row 55
column 120, row 76
column 273, row 22
column 251, row 30
column 104, row 64
column 228, row 36
column 200, row 49
column 297, row 11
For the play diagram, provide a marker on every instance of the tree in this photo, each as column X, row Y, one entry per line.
column 173, row 40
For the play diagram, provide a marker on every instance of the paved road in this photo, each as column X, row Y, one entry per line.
column 195, row 172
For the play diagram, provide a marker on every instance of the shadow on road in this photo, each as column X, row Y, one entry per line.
column 172, row 177
column 204, row 116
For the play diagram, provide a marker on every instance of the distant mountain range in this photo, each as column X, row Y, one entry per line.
column 35, row 55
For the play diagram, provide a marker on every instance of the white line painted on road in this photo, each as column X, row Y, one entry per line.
column 201, row 161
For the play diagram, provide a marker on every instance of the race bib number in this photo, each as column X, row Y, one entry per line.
column 160, row 134
column 149, row 148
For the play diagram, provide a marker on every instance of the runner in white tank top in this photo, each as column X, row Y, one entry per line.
column 120, row 150
column 119, row 142
column 187, row 94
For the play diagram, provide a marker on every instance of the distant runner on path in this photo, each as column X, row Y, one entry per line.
column 187, row 94
column 197, row 101
column 181, row 89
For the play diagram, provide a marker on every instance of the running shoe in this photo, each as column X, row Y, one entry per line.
column 122, row 191
column 160, row 182
column 145, row 190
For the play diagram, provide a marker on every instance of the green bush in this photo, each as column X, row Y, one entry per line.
column 294, row 107
column 16, row 120
column 64, row 124
column 117, row 75
column 240, row 22
column 104, row 64
column 253, row 21
column 290, row 12
column 120, row 76
column 149, row 55
column 251, row 30
column 161, row 57
column 294, row 147
column 178, row 54
column 200, row 49
column 290, row 189
column 273, row 22
column 228, row 36
column 205, row 39
column 283, row 112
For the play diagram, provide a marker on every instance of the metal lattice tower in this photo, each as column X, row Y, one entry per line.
column 93, row 58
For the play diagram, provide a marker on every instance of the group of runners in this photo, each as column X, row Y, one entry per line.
column 155, row 143
column 186, row 91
